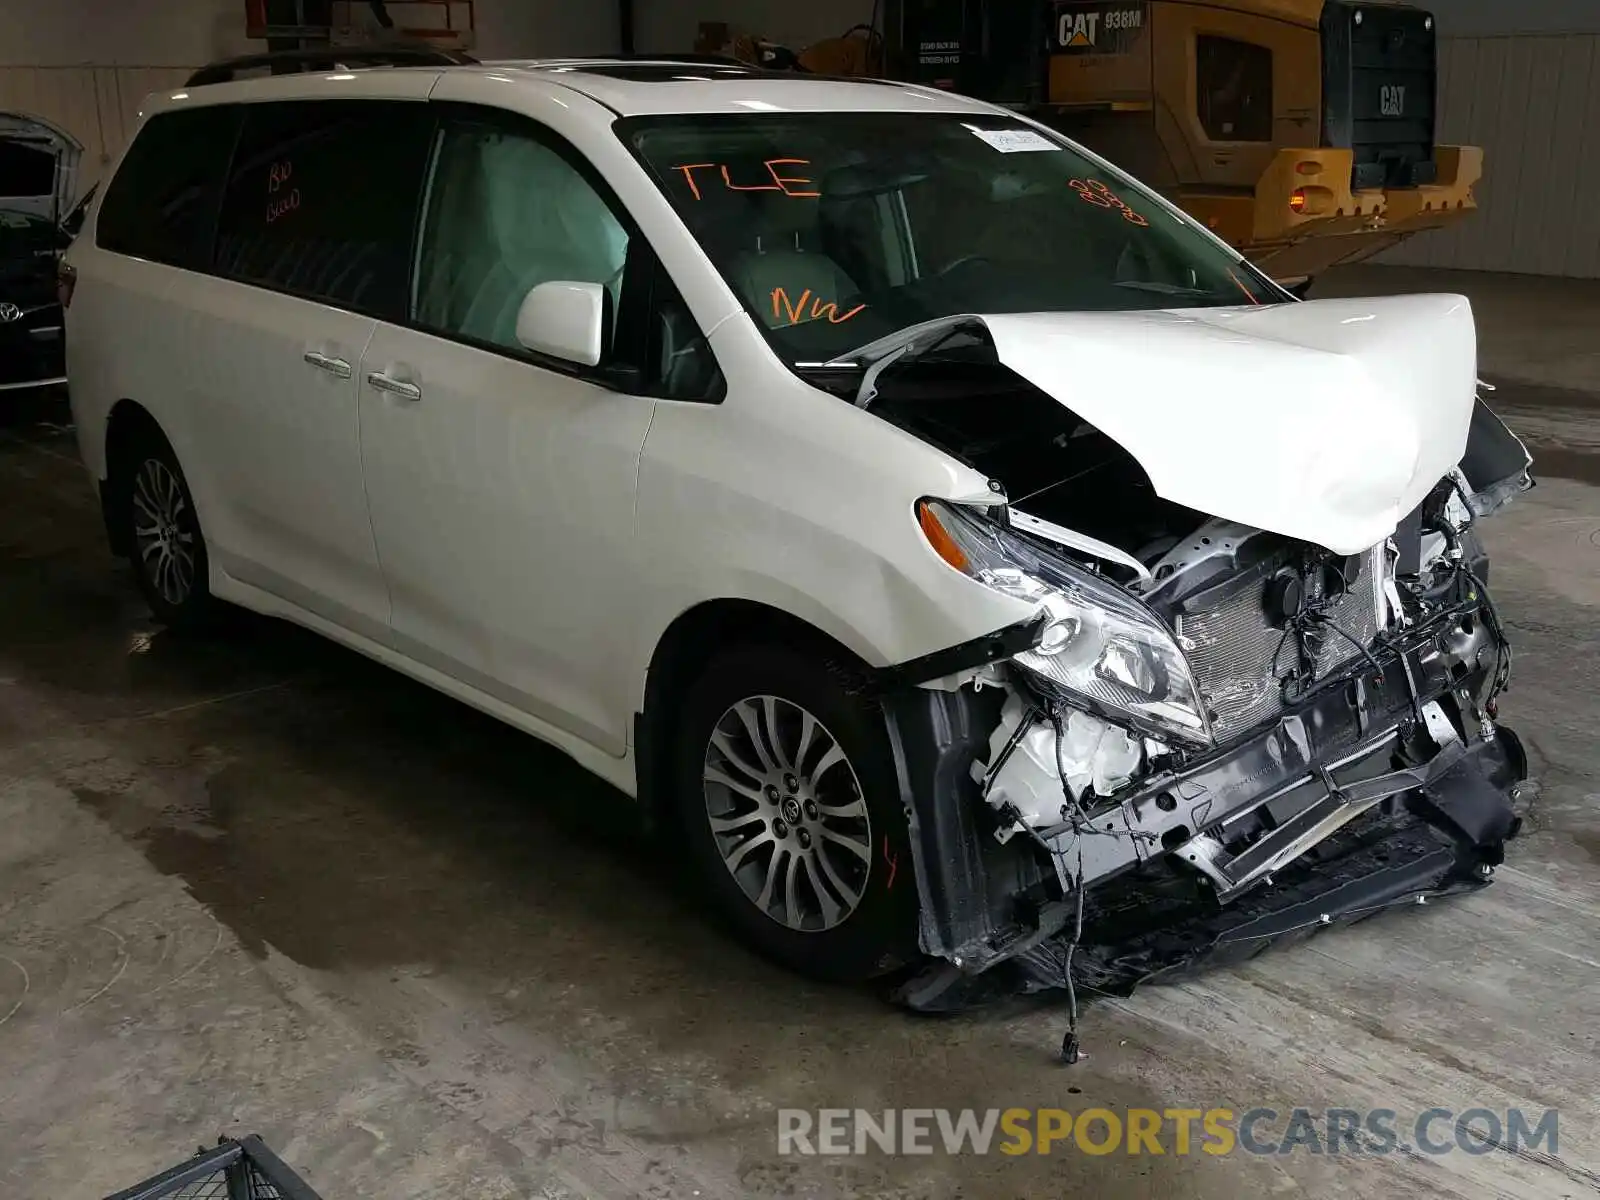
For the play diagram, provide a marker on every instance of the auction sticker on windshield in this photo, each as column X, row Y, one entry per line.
column 1015, row 141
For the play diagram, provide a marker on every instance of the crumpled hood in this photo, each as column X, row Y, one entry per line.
column 1327, row 421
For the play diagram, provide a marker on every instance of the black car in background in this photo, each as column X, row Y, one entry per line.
column 32, row 349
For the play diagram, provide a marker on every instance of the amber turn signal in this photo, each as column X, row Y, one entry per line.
column 939, row 537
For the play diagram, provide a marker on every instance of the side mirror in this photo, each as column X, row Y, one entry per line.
column 565, row 320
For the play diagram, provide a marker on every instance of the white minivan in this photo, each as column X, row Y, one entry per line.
column 967, row 556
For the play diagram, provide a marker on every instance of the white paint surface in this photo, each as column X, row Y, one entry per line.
column 1326, row 421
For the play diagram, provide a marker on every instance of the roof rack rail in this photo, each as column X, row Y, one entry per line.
column 695, row 60
column 327, row 58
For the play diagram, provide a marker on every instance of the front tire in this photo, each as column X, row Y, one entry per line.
column 791, row 812
column 163, row 535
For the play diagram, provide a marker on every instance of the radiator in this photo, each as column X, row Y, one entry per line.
column 1240, row 658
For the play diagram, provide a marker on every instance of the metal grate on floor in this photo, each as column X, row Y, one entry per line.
column 234, row 1170
column 248, row 1184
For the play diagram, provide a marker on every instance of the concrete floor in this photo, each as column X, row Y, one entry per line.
column 258, row 884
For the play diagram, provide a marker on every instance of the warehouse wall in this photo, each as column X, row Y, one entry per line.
column 546, row 28
column 86, row 64
column 1533, row 104
column 1502, row 18
column 1522, row 80
column 668, row 26
column 142, row 33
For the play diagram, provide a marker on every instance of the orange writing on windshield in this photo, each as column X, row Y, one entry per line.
column 792, row 313
column 1098, row 194
column 789, row 183
column 1248, row 294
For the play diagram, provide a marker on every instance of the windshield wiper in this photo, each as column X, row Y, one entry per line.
column 1164, row 289
column 910, row 342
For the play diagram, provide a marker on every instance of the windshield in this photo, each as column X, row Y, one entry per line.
column 838, row 228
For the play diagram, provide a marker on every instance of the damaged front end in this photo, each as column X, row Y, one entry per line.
column 1203, row 745
column 1337, row 777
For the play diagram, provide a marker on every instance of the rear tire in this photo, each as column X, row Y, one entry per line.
column 162, row 533
column 791, row 813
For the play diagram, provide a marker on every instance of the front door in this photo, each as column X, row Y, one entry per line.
column 501, row 486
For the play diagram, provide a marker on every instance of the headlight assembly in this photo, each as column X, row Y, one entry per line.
column 1100, row 647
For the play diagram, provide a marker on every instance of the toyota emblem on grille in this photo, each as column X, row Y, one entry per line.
column 9, row 312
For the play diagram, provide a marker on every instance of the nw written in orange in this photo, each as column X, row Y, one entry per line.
column 794, row 313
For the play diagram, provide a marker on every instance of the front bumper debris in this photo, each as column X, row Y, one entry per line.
column 1360, row 872
column 1386, row 786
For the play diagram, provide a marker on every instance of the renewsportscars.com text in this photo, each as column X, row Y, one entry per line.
column 1177, row 1131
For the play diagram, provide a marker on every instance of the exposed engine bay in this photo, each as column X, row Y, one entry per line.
column 1213, row 736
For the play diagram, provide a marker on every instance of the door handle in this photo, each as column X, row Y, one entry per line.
column 334, row 366
column 395, row 387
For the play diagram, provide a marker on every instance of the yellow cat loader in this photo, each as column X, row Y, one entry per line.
column 1301, row 131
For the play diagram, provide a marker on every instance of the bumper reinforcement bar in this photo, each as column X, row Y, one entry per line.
column 1342, row 804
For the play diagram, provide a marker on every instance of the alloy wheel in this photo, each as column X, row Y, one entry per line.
column 787, row 813
column 163, row 531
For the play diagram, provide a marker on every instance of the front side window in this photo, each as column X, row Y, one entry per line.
column 509, row 208
column 322, row 201
column 838, row 228
column 507, row 212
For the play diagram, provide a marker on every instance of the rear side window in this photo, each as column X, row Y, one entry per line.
column 162, row 204
column 1233, row 85
column 322, row 201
